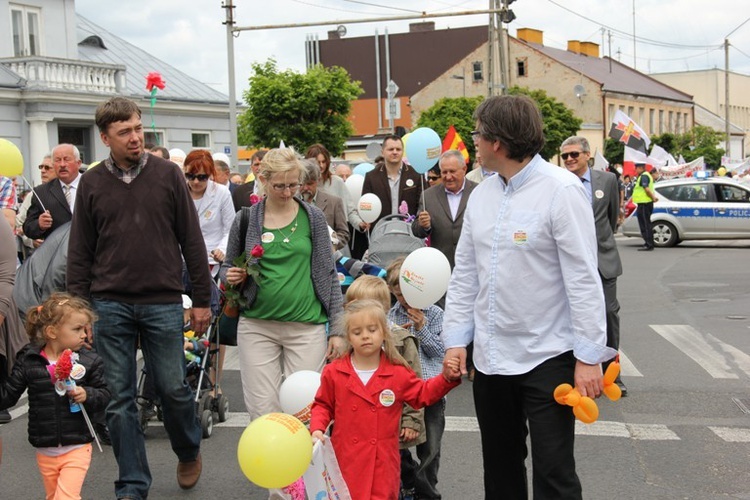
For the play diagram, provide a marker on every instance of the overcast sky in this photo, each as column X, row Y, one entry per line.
column 189, row 34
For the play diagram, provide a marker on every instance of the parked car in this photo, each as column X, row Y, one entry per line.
column 696, row 209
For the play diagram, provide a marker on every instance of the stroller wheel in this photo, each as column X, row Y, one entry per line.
column 206, row 401
column 222, row 407
column 207, row 423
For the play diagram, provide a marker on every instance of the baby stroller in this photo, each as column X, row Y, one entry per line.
column 200, row 357
column 391, row 238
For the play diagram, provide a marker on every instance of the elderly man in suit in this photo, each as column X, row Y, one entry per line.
column 604, row 193
column 331, row 205
column 441, row 214
column 57, row 196
column 393, row 181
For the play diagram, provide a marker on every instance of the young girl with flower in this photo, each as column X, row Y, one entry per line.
column 57, row 429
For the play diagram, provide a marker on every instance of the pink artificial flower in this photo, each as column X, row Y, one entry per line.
column 254, row 198
column 154, row 79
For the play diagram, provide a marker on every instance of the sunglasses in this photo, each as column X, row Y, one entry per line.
column 572, row 154
column 200, row 177
column 282, row 187
column 45, row 167
column 433, row 177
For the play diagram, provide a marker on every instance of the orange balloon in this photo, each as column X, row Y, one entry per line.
column 613, row 392
column 586, row 411
column 613, row 370
column 561, row 391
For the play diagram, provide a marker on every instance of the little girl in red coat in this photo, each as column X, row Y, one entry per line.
column 364, row 392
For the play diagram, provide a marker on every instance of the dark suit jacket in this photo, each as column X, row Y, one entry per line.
column 444, row 231
column 241, row 195
column 53, row 198
column 606, row 205
column 410, row 188
column 333, row 208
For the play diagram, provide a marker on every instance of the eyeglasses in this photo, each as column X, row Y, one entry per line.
column 572, row 154
column 475, row 134
column 279, row 188
column 200, row 177
column 45, row 167
column 433, row 177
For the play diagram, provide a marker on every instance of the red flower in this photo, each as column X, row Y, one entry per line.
column 64, row 365
column 257, row 251
column 154, row 79
column 254, row 198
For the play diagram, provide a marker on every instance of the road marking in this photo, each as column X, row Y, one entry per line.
column 461, row 424
column 732, row 434
column 651, row 432
column 694, row 344
column 627, row 368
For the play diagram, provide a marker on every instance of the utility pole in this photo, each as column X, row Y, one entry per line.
column 727, row 141
column 634, row 58
column 227, row 5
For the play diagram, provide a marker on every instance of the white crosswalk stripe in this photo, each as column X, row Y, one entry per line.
column 627, row 368
column 700, row 348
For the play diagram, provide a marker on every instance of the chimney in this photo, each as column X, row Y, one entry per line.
column 421, row 27
column 574, row 46
column 590, row 49
column 530, row 35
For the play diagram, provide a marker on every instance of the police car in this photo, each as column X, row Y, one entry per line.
column 696, row 209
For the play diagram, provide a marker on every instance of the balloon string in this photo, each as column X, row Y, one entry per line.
column 34, row 191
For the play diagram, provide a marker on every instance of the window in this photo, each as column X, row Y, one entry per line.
column 641, row 115
column 732, row 194
column 678, row 124
column 26, row 32
column 477, row 71
column 661, row 121
column 671, row 122
column 631, row 110
column 611, row 111
column 690, row 192
column 201, row 140
column 521, row 66
column 154, row 137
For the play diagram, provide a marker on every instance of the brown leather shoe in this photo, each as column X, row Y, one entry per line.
column 188, row 473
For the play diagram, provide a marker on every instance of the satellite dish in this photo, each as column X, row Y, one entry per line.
column 341, row 30
column 579, row 91
column 373, row 150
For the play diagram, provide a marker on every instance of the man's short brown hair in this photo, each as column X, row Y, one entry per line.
column 514, row 121
column 117, row 109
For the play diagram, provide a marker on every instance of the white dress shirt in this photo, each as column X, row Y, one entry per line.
column 526, row 287
column 73, row 190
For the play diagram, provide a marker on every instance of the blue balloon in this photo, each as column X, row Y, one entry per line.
column 423, row 149
column 363, row 168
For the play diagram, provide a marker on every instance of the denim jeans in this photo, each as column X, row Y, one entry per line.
column 423, row 476
column 116, row 335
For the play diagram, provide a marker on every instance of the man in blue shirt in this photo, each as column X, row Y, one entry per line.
column 528, row 294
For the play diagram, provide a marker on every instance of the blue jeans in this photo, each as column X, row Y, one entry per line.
column 116, row 335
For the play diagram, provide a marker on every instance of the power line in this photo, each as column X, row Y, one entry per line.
column 384, row 6
column 646, row 41
column 334, row 8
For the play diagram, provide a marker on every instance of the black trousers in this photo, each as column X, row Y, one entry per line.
column 510, row 408
column 643, row 213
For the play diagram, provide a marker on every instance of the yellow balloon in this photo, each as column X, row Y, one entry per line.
column 11, row 160
column 721, row 171
column 274, row 450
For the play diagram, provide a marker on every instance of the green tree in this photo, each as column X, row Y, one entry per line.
column 449, row 111
column 299, row 108
column 614, row 151
column 696, row 142
column 559, row 121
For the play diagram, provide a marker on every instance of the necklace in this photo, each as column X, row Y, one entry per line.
column 292, row 230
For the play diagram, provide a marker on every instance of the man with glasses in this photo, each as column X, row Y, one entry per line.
column 54, row 202
column 530, row 297
column 47, row 173
column 603, row 193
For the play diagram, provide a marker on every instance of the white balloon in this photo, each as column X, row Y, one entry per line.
column 369, row 207
column 354, row 184
column 177, row 156
column 424, row 277
column 298, row 392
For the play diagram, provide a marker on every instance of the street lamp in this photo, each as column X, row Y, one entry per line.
column 461, row 77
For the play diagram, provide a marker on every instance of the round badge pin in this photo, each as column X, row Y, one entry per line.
column 78, row 371
column 387, row 397
column 409, row 182
column 267, row 237
column 599, row 194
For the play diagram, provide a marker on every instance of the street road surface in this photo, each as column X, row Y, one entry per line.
column 683, row 433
